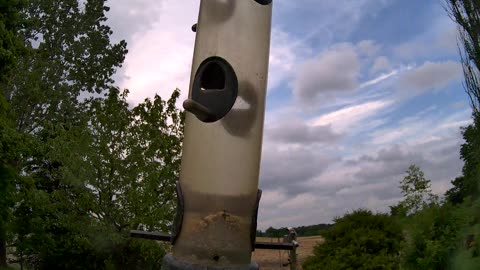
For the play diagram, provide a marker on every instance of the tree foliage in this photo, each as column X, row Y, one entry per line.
column 134, row 161
column 466, row 13
column 417, row 193
column 468, row 185
column 70, row 55
column 359, row 240
column 79, row 166
column 10, row 140
column 432, row 238
column 10, row 45
column 442, row 237
column 310, row 230
column 98, row 181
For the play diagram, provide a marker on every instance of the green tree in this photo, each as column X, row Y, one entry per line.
column 99, row 181
column 83, row 168
column 68, row 54
column 10, row 48
column 468, row 185
column 466, row 13
column 467, row 256
column 51, row 224
column 442, row 237
column 10, row 45
column 359, row 240
column 133, row 163
column 417, row 193
column 275, row 233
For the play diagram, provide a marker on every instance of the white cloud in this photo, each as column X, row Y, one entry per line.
column 284, row 166
column 351, row 117
column 336, row 69
column 439, row 39
column 429, row 76
column 368, row 47
column 303, row 177
column 381, row 63
column 459, row 105
column 271, row 198
column 285, row 54
column 292, row 129
column 335, row 177
column 154, row 66
column 161, row 48
column 127, row 18
column 300, row 201
column 159, row 58
column 447, row 40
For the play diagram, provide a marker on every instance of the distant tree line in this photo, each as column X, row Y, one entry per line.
column 311, row 230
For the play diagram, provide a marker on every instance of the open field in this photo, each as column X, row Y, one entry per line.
column 273, row 259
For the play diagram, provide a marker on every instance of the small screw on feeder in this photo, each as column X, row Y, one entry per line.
column 218, row 192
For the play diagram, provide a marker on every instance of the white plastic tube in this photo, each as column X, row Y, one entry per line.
column 221, row 159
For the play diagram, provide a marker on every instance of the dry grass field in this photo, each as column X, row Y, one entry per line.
column 273, row 259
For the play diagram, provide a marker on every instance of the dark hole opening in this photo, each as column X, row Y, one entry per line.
column 216, row 258
column 263, row 2
column 213, row 77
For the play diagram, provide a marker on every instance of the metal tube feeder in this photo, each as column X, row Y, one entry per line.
column 218, row 192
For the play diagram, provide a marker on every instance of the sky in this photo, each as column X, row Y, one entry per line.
column 358, row 90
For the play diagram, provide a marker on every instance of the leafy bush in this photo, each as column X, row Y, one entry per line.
column 443, row 237
column 359, row 240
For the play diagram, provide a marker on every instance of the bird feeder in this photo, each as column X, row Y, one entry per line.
column 218, row 192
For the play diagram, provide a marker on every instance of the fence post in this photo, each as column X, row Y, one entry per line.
column 293, row 256
column 292, row 238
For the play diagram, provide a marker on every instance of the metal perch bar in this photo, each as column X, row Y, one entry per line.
column 159, row 236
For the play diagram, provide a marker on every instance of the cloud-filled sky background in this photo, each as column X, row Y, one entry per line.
column 358, row 91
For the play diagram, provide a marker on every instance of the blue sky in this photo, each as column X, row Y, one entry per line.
column 358, row 91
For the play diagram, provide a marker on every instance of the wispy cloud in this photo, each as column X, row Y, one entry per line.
column 378, row 79
column 351, row 117
column 421, row 128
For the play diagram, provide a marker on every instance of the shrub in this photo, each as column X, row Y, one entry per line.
column 359, row 240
